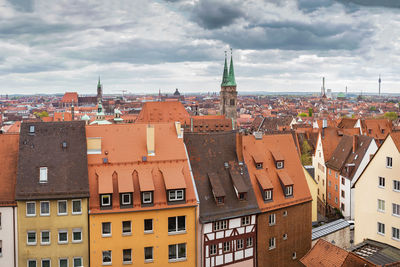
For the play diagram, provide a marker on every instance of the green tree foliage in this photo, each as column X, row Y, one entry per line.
column 310, row 111
column 372, row 108
column 391, row 116
column 302, row 114
column 41, row 114
column 306, row 153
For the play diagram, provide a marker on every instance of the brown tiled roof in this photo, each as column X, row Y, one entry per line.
column 238, row 181
column 216, row 186
column 168, row 111
column 396, row 139
column 8, row 174
column 292, row 166
column 67, row 167
column 347, row 123
column 375, row 126
column 342, row 151
column 216, row 153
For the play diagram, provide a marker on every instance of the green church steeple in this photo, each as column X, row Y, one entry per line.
column 231, row 77
column 225, row 77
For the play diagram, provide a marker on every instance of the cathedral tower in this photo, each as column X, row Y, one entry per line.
column 228, row 94
column 99, row 91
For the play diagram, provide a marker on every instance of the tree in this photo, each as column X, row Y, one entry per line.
column 372, row 108
column 305, row 153
column 41, row 114
column 391, row 116
column 310, row 111
column 302, row 114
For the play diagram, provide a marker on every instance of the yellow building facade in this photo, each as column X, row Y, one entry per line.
column 313, row 186
column 59, row 236
column 159, row 238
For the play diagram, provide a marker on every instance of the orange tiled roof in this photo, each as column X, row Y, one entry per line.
column 396, row 139
column 70, row 97
column 163, row 112
column 9, row 144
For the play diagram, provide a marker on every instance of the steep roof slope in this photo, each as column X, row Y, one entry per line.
column 168, row 111
column 8, row 174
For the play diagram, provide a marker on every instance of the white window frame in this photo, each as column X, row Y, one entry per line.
column 75, row 258
column 397, row 237
column 62, row 232
column 80, row 204
column 394, row 208
column 380, row 203
column 43, row 175
column 227, row 246
column 77, row 230
column 272, row 219
column 30, row 202
column 123, row 200
column 105, row 196
column 285, row 213
column 177, row 252
column 44, row 214
column 239, row 244
column 213, row 249
column 41, row 237
column 147, row 193
column 249, row 242
column 130, row 228
column 272, row 243
column 124, row 261
column 152, row 226
column 102, row 230
column 279, row 164
column 58, row 207
column 102, row 257
column 379, row 224
column 31, row 260
column 41, row 262
column 289, row 190
column 176, row 225
column 268, row 194
column 61, row 259
column 284, row 236
column 398, row 185
column 31, row 129
column 380, row 178
column 294, row 255
column 27, row 238
column 389, row 162
column 220, row 225
column 175, row 192
column 246, row 220
column 152, row 255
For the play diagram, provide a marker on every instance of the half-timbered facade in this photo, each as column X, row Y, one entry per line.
column 228, row 206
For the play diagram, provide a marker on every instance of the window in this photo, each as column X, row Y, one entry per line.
column 336, row 175
column 127, row 256
column 389, row 162
column 105, row 200
column 44, row 208
column 246, row 220
column 31, row 129
column 284, row 236
column 62, row 236
column 63, row 262
column 342, row 206
column 242, row 196
column 329, row 183
column 249, row 242
column 106, row 229
column 259, row 166
column 330, row 172
column 329, row 195
column 336, row 188
column 176, row 224
column 342, row 193
column 76, row 235
column 30, row 208
column 289, row 190
column 31, row 238
column 213, row 249
column 78, row 262
column 268, row 194
column 45, row 237
column 336, row 200
column 239, row 244
column 272, row 219
column 285, row 213
column 396, row 209
column 1, row 248
column 279, row 164
column 107, row 257
column 343, row 182
column 396, row 185
column 147, row 197
column 126, row 199
column 0, row 220
column 76, row 206
column 148, row 225
column 31, row 263
column 381, row 205
column 232, row 102
column 220, row 200
column 62, row 207
column 148, row 254
column 126, row 227
column 294, row 255
column 396, row 233
column 220, row 225
column 43, row 175
column 272, row 244
column 381, row 228
column 176, row 195
column 382, row 182
column 46, row 263
column 177, row 252
column 227, row 246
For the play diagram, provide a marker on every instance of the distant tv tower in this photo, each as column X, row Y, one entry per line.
column 379, row 80
column 346, row 90
column 323, row 87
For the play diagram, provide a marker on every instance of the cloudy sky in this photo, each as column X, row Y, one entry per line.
column 142, row 46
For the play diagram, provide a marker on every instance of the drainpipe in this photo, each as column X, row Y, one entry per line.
column 15, row 256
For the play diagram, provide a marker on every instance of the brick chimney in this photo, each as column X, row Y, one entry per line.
column 355, row 141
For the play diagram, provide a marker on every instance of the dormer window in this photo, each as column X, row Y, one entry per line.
column 176, row 195
column 105, row 200
column 126, row 199
column 31, row 129
column 289, row 191
column 268, row 195
column 279, row 164
column 242, row 196
column 259, row 166
column 220, row 200
column 43, row 175
column 147, row 197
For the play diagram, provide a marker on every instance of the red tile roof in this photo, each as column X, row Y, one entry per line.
column 9, row 144
column 70, row 97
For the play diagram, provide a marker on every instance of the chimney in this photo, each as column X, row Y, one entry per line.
column 239, row 144
column 355, row 141
column 150, row 140
column 72, row 111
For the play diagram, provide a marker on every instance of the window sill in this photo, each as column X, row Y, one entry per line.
column 33, row 215
column 76, row 213
column 107, row 263
column 396, row 215
column 381, row 211
column 148, row 261
column 382, row 234
column 63, row 242
column 127, row 262
column 62, row 214
column 272, row 224
column 148, row 232
column 77, row 241
column 398, row 191
column 271, row 248
column 177, row 233
column 395, row 239
column 106, row 235
column 177, row 260
column 127, row 234
column 31, row 244
column 44, row 215
column 45, row 244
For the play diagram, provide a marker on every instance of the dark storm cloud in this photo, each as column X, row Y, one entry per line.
column 373, row 3
column 312, row 5
column 214, row 14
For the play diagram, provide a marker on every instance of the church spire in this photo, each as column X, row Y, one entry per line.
column 225, row 78
column 231, row 78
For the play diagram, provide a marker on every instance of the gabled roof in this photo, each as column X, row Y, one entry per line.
column 215, row 167
column 347, row 123
column 396, row 139
column 169, row 111
column 8, row 175
column 66, row 167
column 70, row 97
column 374, row 128
column 340, row 154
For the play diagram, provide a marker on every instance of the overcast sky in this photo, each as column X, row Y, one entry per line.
column 142, row 46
